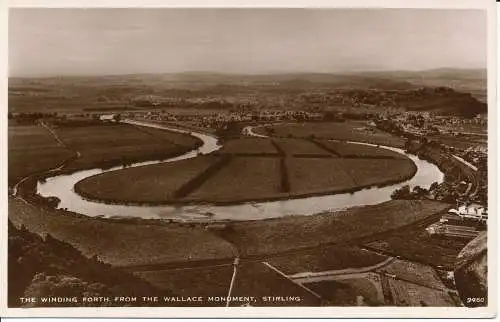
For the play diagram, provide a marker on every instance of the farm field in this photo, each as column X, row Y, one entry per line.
column 300, row 147
column 242, row 179
column 111, row 144
column 253, row 170
column 461, row 142
column 276, row 235
column 348, row 131
column 324, row 259
column 416, row 245
column 350, row 150
column 345, row 292
column 368, row 172
column 249, row 146
column 27, row 143
column 145, row 184
column 316, row 175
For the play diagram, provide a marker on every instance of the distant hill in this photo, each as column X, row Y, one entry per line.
column 445, row 91
column 473, row 81
column 444, row 101
column 206, row 79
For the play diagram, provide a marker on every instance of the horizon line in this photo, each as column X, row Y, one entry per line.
column 213, row 72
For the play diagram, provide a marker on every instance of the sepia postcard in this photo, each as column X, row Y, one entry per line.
column 309, row 159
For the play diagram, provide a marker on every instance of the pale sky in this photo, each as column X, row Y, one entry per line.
column 48, row 42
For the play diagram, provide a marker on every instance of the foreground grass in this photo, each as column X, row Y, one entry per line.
column 49, row 267
column 276, row 235
column 119, row 243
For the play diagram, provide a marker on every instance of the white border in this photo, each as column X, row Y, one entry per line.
column 317, row 312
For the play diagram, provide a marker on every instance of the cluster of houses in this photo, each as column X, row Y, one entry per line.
column 221, row 119
column 466, row 221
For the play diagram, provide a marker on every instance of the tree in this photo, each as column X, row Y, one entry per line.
column 402, row 193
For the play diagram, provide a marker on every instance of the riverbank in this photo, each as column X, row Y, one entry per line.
column 158, row 184
column 137, row 242
column 276, row 235
column 122, row 243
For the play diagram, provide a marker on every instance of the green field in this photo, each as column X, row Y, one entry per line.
column 112, row 144
column 257, row 169
column 348, row 131
column 33, row 149
column 242, row 179
column 349, row 150
column 370, row 172
column 248, row 146
column 99, row 145
column 299, row 147
column 316, row 175
column 144, row 184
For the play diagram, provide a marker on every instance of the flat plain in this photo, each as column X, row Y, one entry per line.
column 145, row 184
column 242, row 179
column 27, row 143
column 111, row 144
column 258, row 169
column 348, row 131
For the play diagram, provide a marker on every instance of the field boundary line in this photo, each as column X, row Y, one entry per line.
column 343, row 271
column 291, row 280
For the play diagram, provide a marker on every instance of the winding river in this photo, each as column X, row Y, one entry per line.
column 62, row 187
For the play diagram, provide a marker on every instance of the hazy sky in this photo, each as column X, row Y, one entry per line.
column 45, row 42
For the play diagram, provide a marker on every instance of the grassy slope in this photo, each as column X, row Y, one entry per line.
column 119, row 243
column 48, row 267
column 275, row 235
